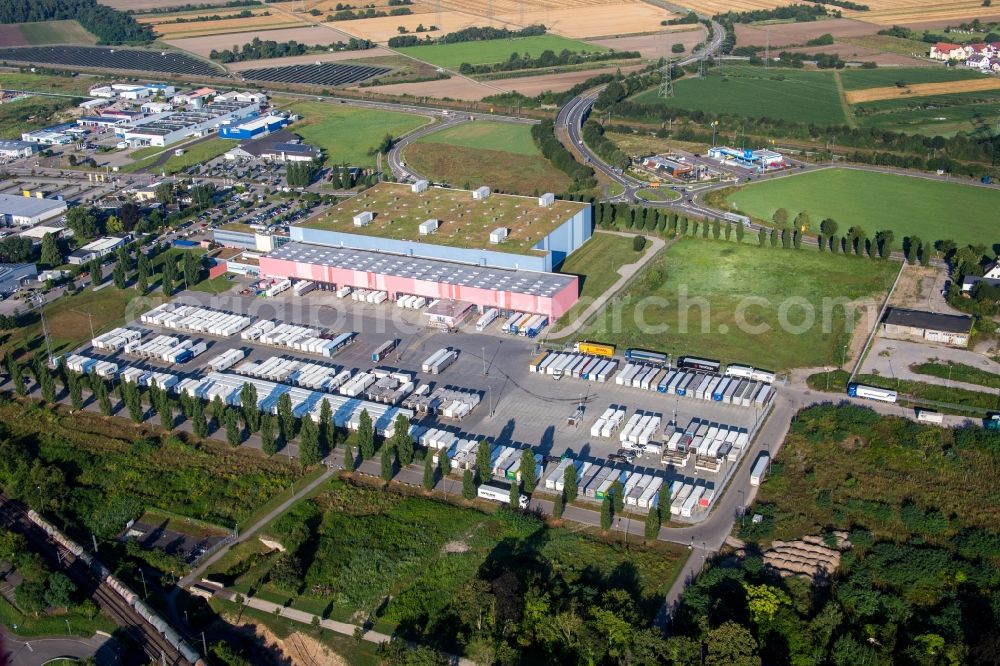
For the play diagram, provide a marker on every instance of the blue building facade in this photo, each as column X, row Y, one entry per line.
column 253, row 128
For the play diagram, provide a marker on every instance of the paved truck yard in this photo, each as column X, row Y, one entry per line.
column 508, row 402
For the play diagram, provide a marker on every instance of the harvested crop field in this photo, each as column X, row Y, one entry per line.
column 607, row 20
column 143, row 5
column 454, row 88
column 534, row 85
column 852, row 53
column 199, row 28
column 784, row 34
column 309, row 35
column 309, row 58
column 656, row 45
column 921, row 90
column 381, row 29
column 894, row 12
column 10, row 35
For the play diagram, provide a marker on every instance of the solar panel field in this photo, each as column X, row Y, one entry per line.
column 325, row 74
column 170, row 62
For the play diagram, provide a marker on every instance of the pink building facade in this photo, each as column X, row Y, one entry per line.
column 549, row 294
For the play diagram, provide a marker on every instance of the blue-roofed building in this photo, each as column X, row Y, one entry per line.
column 253, row 128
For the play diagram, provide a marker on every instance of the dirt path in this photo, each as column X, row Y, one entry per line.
column 626, row 272
column 848, row 114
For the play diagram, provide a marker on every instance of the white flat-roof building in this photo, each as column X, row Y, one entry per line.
column 97, row 248
column 22, row 211
column 13, row 150
column 50, row 136
column 156, row 107
column 165, row 129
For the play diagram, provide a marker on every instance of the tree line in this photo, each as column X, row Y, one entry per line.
column 553, row 150
column 370, row 12
column 470, row 34
column 547, row 58
column 110, row 26
column 257, row 49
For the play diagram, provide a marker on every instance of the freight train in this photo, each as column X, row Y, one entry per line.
column 121, row 589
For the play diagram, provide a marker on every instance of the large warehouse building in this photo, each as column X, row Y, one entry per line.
column 488, row 250
column 28, row 211
column 550, row 294
column 165, row 129
column 501, row 230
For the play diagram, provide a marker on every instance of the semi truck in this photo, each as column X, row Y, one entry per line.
column 498, row 491
column 871, row 393
column 595, row 348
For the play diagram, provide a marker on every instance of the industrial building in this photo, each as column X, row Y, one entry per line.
column 281, row 146
column 101, row 122
column 13, row 150
column 56, row 135
column 132, row 92
column 751, row 159
column 254, row 127
column 29, row 210
column 13, row 276
column 550, row 294
column 98, row 248
column 948, row 329
column 239, row 235
column 668, row 166
column 538, row 232
column 166, row 129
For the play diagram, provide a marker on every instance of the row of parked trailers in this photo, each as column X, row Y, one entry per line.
column 226, row 360
column 141, row 377
column 196, row 319
column 366, row 296
column 439, row 360
column 84, row 365
column 346, row 410
column 700, row 385
column 525, row 324
column 115, row 339
column 448, row 402
column 166, row 348
column 710, row 442
column 640, row 489
column 505, row 461
column 410, row 302
column 299, row 338
column 579, row 366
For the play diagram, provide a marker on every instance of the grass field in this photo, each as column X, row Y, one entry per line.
column 407, row 559
column 69, row 318
column 959, row 372
column 495, row 50
column 486, row 135
column 197, row 153
column 52, row 625
column 56, row 32
column 31, row 113
column 942, row 115
column 46, row 83
column 933, row 210
column 783, row 94
column 727, row 301
column 858, row 79
column 500, row 155
column 349, row 134
column 597, row 264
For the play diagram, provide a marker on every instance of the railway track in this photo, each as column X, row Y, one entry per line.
column 156, row 647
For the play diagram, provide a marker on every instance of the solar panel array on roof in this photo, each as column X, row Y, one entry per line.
column 323, row 74
column 481, row 277
column 139, row 60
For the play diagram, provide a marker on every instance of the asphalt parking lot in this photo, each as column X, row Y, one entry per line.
column 517, row 406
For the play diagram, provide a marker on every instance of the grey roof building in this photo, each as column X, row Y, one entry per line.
column 18, row 211
column 13, row 276
column 949, row 329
